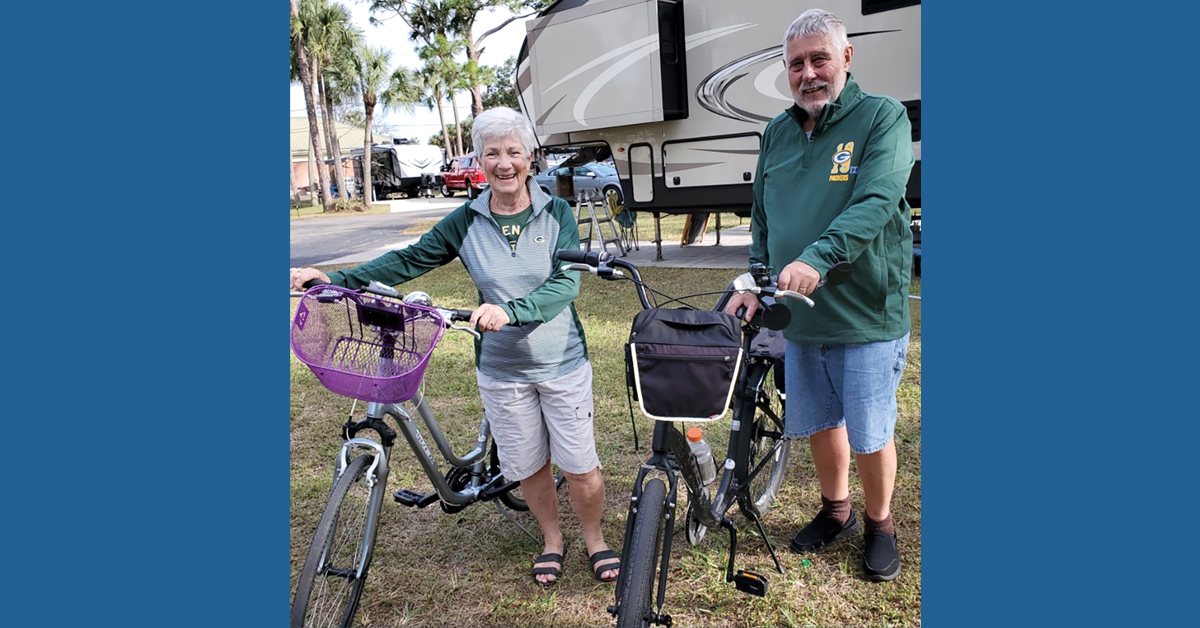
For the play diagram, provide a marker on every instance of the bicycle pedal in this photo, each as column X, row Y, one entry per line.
column 750, row 582
column 413, row 498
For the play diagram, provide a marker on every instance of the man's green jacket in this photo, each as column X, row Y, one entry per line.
column 839, row 196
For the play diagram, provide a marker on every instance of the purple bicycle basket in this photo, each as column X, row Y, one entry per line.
column 365, row 346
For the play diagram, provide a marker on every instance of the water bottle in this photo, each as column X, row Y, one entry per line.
column 703, row 453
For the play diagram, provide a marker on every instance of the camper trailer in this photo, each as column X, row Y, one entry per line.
column 678, row 92
column 407, row 168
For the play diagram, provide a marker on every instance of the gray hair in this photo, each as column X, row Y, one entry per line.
column 499, row 123
column 818, row 22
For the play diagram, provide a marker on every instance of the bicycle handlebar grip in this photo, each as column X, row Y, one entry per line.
column 460, row 315
column 315, row 282
column 591, row 258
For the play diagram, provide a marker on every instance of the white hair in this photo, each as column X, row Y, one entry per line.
column 818, row 22
column 499, row 123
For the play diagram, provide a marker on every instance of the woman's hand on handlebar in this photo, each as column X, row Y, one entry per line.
column 301, row 276
column 488, row 317
column 799, row 277
column 740, row 300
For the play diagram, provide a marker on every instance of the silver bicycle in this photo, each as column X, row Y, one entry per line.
column 372, row 345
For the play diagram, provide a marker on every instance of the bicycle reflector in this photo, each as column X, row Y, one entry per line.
column 750, row 582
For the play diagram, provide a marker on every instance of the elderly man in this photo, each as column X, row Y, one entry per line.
column 830, row 189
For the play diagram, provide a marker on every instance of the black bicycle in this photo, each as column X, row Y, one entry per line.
column 757, row 452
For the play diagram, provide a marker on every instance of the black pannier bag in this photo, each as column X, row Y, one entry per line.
column 683, row 364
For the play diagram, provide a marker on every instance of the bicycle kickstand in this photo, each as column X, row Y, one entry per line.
column 770, row 546
column 513, row 520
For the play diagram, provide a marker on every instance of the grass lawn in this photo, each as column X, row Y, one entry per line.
column 471, row 568
column 315, row 211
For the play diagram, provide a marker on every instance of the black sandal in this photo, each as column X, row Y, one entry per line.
column 604, row 555
column 553, row 571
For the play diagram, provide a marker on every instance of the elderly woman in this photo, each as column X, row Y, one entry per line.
column 532, row 369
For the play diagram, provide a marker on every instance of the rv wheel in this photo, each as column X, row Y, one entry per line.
column 446, row 191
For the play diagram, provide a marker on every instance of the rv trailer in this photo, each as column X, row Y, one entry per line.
column 408, row 168
column 678, row 92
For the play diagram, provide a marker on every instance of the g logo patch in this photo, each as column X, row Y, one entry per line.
column 540, row 239
column 841, row 158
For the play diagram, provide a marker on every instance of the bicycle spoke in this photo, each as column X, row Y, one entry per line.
column 335, row 588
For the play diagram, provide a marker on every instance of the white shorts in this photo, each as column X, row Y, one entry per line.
column 536, row 422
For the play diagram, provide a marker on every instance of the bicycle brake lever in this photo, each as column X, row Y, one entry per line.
column 788, row 294
column 464, row 328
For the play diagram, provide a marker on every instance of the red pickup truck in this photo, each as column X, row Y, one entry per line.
column 463, row 173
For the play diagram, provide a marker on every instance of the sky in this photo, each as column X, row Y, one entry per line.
column 393, row 35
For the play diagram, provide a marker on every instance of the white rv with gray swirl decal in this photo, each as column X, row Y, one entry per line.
column 678, row 92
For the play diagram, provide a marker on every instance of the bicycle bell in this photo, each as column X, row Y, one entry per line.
column 418, row 298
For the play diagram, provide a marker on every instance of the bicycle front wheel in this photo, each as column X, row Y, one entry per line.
column 329, row 588
column 767, row 441
column 638, row 577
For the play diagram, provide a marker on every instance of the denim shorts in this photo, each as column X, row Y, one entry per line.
column 852, row 385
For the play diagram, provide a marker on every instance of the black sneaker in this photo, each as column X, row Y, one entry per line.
column 881, row 559
column 822, row 531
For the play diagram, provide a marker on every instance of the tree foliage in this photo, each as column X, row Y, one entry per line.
column 501, row 89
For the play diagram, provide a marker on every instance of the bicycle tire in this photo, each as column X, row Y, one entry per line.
column 513, row 498
column 339, row 537
column 638, row 581
column 766, row 433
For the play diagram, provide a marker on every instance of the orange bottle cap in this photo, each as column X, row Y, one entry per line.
column 694, row 434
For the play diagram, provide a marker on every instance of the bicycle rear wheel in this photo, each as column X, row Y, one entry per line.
column 638, row 577
column 767, row 441
column 514, row 499
column 328, row 591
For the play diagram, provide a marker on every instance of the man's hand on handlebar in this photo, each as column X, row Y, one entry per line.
column 799, row 277
column 301, row 276
column 488, row 317
column 743, row 299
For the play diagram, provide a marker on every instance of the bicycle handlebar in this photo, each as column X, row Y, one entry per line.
column 448, row 315
column 760, row 284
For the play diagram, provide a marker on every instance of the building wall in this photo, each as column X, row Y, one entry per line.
column 300, row 167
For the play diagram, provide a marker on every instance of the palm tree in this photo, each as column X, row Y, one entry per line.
column 456, row 17
column 328, row 35
column 341, row 81
column 300, row 67
column 440, row 55
column 379, row 85
column 431, row 83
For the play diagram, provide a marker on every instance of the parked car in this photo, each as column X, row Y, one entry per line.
column 463, row 173
column 595, row 178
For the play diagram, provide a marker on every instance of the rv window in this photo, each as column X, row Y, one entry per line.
column 879, row 6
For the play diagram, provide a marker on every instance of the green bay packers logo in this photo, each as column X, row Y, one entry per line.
column 540, row 239
column 841, row 162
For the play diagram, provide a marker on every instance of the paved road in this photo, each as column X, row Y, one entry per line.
column 358, row 238
column 326, row 238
